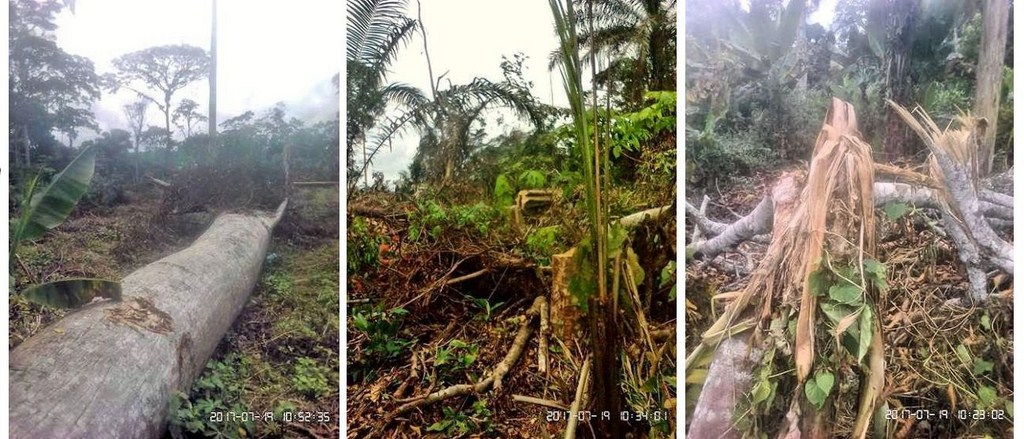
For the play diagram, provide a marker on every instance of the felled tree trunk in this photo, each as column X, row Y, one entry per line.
column 109, row 370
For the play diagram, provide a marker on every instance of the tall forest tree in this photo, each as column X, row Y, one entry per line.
column 164, row 69
column 990, row 76
column 135, row 112
column 49, row 89
column 186, row 116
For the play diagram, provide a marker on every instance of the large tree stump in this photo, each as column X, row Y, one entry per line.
column 110, row 369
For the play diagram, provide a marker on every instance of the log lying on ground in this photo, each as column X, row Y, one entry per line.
column 110, row 369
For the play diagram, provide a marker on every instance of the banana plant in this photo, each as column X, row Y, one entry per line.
column 44, row 210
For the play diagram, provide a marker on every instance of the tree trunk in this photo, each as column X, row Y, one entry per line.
column 167, row 124
column 137, row 158
column 110, row 369
column 990, row 76
column 213, row 78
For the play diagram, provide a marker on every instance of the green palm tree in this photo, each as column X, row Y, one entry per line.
column 376, row 30
column 637, row 36
column 444, row 124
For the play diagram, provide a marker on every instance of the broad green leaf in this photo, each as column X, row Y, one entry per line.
column 762, row 390
column 986, row 396
column 963, row 354
column 825, row 381
column 818, row 281
column 668, row 274
column 836, row 312
column 818, row 388
column 845, row 293
column 456, row 343
column 49, row 208
column 981, row 366
column 875, row 271
column 441, row 357
column 532, row 179
column 867, row 332
column 986, row 322
column 895, row 211
column 848, row 323
column 360, row 322
column 72, row 293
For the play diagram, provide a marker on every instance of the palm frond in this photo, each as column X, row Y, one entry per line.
column 403, row 95
column 375, row 31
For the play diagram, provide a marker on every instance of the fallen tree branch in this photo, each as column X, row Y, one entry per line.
column 493, row 379
column 469, row 276
column 541, row 402
column 581, row 385
column 757, row 222
column 374, row 212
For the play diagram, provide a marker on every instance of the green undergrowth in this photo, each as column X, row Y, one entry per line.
column 280, row 360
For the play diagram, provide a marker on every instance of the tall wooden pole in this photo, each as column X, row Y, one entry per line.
column 213, row 78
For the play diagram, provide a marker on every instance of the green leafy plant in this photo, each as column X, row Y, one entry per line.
column 456, row 423
column 434, row 219
column 532, row 179
column 504, row 195
column 846, row 306
column 310, row 378
column 363, row 246
column 818, row 388
column 485, row 305
column 218, row 390
column 630, row 131
column 381, row 327
column 456, row 356
column 542, row 243
column 668, row 276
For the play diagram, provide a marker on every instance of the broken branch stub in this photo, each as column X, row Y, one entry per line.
column 110, row 369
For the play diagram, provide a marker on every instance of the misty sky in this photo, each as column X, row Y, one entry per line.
column 268, row 51
column 466, row 39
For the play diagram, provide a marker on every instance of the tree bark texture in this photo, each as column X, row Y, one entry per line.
column 110, row 369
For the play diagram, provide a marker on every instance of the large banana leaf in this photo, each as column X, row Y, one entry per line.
column 73, row 293
column 47, row 209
